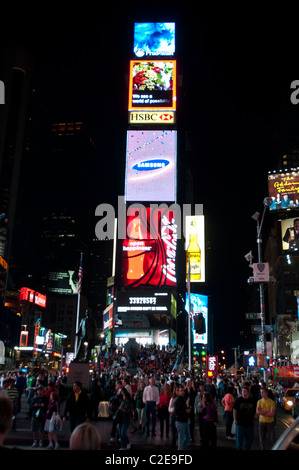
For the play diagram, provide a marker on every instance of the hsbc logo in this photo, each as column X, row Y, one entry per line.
column 151, row 116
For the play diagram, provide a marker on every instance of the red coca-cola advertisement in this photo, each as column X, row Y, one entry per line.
column 149, row 251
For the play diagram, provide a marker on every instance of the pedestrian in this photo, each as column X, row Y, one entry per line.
column 21, row 385
column 77, row 406
column 210, row 420
column 39, row 405
column 125, row 412
column 13, row 394
column 95, row 397
column 244, row 411
column 140, row 408
column 85, row 437
column 165, row 396
column 265, row 410
column 228, row 403
column 181, row 412
column 6, row 414
column 53, row 407
column 151, row 399
column 190, row 394
column 198, row 409
column 115, row 401
column 3, row 391
column 174, row 433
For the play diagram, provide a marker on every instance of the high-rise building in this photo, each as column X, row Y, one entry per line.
column 282, row 247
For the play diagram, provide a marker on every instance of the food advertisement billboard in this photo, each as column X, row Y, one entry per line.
column 154, row 39
column 152, row 85
column 151, row 166
column 149, row 251
column 284, row 190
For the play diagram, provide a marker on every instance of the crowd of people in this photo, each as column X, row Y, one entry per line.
column 159, row 393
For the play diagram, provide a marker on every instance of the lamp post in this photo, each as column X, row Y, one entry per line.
column 267, row 202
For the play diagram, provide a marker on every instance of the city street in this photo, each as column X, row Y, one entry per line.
column 22, row 437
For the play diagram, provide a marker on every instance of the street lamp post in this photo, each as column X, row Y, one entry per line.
column 267, row 202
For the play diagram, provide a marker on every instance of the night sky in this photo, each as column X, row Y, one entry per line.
column 237, row 66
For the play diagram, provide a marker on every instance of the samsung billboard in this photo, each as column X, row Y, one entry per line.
column 154, row 39
column 151, row 166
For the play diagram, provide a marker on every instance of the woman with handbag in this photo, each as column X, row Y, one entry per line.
column 52, row 418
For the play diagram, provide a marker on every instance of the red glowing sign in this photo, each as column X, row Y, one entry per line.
column 30, row 295
column 212, row 366
column 149, row 252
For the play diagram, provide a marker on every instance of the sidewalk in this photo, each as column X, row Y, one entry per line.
column 22, row 437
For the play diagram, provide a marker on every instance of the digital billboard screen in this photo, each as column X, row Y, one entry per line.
column 154, row 39
column 152, row 85
column 151, row 166
column 290, row 234
column 284, row 190
column 195, row 247
column 149, row 251
column 63, row 282
column 199, row 315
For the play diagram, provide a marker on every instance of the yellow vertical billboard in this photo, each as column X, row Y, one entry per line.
column 195, row 247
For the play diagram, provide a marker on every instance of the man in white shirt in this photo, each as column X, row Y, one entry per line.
column 151, row 399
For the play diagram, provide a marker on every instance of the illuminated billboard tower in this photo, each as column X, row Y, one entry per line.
column 146, row 303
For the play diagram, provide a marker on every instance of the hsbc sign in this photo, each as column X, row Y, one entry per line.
column 150, row 117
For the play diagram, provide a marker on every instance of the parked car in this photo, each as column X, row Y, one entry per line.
column 289, row 439
column 288, row 398
column 295, row 407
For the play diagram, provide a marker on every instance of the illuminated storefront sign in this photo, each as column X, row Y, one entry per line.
column 149, row 252
column 152, row 85
column 32, row 296
column 212, row 366
column 151, row 166
column 154, row 39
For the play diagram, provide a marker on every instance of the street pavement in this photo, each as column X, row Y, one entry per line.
column 22, row 438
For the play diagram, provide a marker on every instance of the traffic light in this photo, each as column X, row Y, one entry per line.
column 203, row 353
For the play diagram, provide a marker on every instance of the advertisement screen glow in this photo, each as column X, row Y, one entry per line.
column 154, row 39
column 151, row 166
column 199, row 310
column 284, row 190
column 152, row 85
column 149, row 252
column 290, row 234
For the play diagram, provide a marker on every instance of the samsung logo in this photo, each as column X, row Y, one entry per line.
column 151, row 165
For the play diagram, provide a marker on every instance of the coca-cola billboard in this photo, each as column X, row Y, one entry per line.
column 149, row 251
